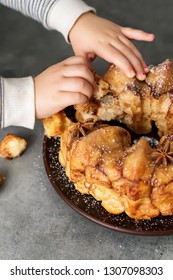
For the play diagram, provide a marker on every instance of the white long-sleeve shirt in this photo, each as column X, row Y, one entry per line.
column 17, row 101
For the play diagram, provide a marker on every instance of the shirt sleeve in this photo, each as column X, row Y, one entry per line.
column 17, row 102
column 36, row 9
column 64, row 13
column 53, row 14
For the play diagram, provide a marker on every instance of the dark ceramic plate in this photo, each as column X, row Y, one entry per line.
column 87, row 206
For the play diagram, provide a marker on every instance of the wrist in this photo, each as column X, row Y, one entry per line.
column 80, row 24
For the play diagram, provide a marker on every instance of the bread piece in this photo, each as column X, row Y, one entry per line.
column 56, row 124
column 1, row 178
column 12, row 146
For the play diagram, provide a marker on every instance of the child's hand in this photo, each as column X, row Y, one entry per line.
column 94, row 36
column 66, row 83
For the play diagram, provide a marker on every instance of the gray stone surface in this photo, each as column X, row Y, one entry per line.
column 35, row 223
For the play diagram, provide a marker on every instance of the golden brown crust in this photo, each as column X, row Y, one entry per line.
column 12, row 146
column 134, row 103
column 160, row 79
column 56, row 124
column 135, row 179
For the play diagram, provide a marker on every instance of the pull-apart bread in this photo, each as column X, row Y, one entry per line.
column 101, row 160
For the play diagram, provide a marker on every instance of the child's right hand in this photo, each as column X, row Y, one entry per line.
column 93, row 36
column 66, row 83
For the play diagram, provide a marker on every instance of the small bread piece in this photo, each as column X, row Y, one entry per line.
column 56, row 124
column 1, row 178
column 12, row 146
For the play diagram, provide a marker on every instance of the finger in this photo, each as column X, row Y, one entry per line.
column 128, row 43
column 76, row 84
column 137, row 34
column 89, row 56
column 70, row 98
column 78, row 59
column 134, row 61
column 113, row 55
column 80, row 71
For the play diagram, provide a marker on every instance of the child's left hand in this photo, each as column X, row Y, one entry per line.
column 93, row 36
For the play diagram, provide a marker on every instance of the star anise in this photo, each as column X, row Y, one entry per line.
column 83, row 130
column 164, row 154
column 78, row 132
